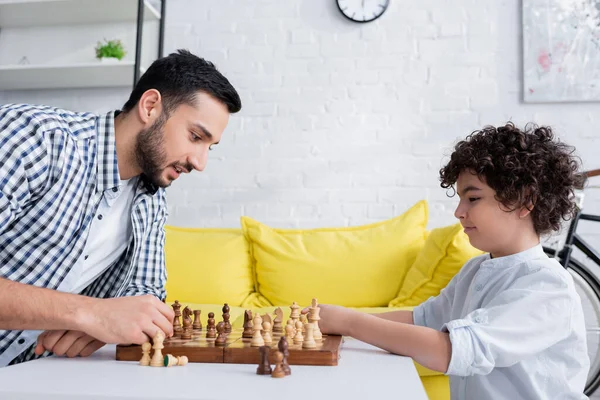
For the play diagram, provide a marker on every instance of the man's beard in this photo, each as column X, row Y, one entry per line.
column 150, row 152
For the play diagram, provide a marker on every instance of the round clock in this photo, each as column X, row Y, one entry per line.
column 362, row 10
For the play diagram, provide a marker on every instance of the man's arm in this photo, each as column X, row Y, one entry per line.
column 150, row 274
column 29, row 307
column 120, row 320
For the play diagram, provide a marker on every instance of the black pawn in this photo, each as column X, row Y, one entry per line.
column 283, row 348
column 264, row 367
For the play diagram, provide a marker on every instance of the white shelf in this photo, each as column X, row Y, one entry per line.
column 19, row 77
column 29, row 13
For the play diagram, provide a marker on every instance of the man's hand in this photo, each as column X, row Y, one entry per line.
column 126, row 319
column 69, row 343
column 335, row 320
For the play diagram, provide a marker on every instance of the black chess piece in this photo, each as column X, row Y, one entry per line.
column 283, row 348
column 264, row 367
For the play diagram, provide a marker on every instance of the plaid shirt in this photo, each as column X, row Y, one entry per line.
column 54, row 168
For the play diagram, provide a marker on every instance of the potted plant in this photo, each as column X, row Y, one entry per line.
column 110, row 50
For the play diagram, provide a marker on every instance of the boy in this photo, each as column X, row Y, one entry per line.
column 510, row 324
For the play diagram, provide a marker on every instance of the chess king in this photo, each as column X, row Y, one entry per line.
column 83, row 207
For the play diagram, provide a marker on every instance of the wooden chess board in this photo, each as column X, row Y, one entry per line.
column 237, row 350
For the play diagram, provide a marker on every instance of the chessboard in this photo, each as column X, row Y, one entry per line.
column 201, row 344
column 238, row 350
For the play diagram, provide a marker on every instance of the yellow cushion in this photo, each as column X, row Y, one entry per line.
column 359, row 266
column 210, row 266
column 446, row 250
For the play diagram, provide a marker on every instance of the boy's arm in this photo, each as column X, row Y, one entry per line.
column 404, row 316
column 428, row 347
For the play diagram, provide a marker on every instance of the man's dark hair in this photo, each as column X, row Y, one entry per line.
column 179, row 77
column 526, row 168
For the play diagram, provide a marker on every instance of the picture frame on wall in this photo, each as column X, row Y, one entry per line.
column 561, row 50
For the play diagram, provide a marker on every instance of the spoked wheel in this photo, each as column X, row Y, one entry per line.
column 588, row 288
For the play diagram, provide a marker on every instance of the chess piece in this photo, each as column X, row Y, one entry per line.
column 187, row 324
column 210, row 326
column 197, row 323
column 309, row 340
column 157, row 357
column 176, row 323
column 226, row 317
column 221, row 334
column 145, row 360
column 170, row 360
column 303, row 319
column 266, row 333
column 298, row 338
column 278, row 321
column 264, row 367
column 283, row 348
column 247, row 325
column 295, row 314
column 290, row 330
column 278, row 372
column 257, row 339
column 313, row 318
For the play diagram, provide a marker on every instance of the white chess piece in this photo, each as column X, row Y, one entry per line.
column 257, row 339
column 266, row 334
column 309, row 340
column 157, row 357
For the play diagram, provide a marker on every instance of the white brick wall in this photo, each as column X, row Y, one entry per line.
column 345, row 123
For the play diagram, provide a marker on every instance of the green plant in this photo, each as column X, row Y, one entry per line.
column 111, row 49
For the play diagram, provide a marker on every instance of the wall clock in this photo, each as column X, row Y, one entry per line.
column 362, row 10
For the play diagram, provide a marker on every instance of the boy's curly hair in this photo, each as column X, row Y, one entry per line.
column 525, row 168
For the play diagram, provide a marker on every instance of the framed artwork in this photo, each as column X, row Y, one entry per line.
column 561, row 50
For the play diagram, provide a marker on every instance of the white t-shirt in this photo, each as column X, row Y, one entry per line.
column 516, row 327
column 109, row 235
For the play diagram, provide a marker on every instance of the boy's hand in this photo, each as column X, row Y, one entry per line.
column 335, row 320
column 69, row 343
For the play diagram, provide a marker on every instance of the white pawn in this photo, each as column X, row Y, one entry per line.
column 157, row 358
column 266, row 334
column 145, row 360
column 309, row 339
column 290, row 331
column 257, row 339
column 298, row 339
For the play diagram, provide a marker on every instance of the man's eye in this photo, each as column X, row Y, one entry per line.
column 472, row 199
column 210, row 148
column 195, row 137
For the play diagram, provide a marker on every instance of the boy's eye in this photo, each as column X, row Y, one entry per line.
column 195, row 137
column 210, row 147
column 472, row 199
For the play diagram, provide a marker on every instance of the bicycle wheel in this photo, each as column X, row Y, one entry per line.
column 588, row 288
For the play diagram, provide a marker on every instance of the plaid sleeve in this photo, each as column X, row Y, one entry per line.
column 150, row 275
column 23, row 164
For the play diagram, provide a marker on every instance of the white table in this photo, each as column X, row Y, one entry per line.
column 363, row 372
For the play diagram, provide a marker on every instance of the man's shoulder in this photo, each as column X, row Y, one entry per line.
column 41, row 119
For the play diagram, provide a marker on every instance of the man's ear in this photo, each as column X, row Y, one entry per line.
column 149, row 106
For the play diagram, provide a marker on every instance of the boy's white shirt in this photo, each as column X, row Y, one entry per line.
column 516, row 326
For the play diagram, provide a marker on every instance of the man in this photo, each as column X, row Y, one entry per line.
column 83, row 209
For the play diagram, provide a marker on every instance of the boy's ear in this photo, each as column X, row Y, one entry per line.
column 525, row 211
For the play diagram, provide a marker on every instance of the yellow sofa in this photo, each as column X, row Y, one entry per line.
column 389, row 265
